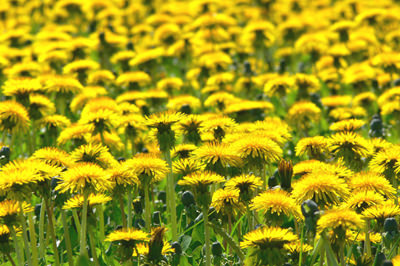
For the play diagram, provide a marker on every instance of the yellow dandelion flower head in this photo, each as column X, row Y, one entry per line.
column 304, row 111
column 143, row 249
column 386, row 160
column 323, row 188
column 279, row 86
column 246, row 184
column 267, row 238
column 297, row 247
column 122, row 56
column 382, row 211
column 214, row 60
column 220, row 99
column 364, row 99
column 249, row 147
column 183, row 150
column 21, row 86
column 396, row 260
column 341, row 217
column 102, row 120
column 390, row 95
column 214, row 154
column 226, row 200
column 98, row 76
column 128, row 235
column 164, row 119
column 41, row 103
column 148, row 166
column 309, row 83
column 122, row 175
column 245, row 105
column 390, row 107
column 93, row 200
column 53, row 156
column 83, row 177
column 306, row 167
column 13, row 116
column 170, row 83
column 54, row 121
column 371, row 181
column 80, row 65
column 186, row 166
column 146, row 56
column 201, row 179
column 100, row 103
column 138, row 77
column 364, row 199
column 63, row 84
column 178, row 102
column 352, row 235
column 341, row 113
column 95, row 154
column 218, row 125
column 379, row 144
column 276, row 202
column 336, row 100
column 9, row 209
column 345, row 142
column 347, row 125
column 23, row 69
column 18, row 174
column 74, row 132
column 312, row 146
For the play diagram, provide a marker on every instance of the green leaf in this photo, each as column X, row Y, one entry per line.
column 185, row 242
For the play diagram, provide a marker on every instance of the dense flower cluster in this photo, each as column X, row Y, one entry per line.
column 138, row 132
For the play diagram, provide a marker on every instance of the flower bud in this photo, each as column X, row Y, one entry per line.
column 187, row 198
column 285, row 171
column 162, row 196
column 177, row 247
column 216, row 249
column 156, row 245
column 390, row 226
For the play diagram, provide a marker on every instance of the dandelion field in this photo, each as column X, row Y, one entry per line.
column 201, row 132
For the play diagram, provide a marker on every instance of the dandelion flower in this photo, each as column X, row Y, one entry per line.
column 276, row 204
column 13, row 117
column 342, row 218
column 84, row 177
column 93, row 199
column 323, row 188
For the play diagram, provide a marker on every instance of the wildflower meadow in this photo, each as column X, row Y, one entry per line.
column 199, row 132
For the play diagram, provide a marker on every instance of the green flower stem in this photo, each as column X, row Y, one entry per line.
column 82, row 241
column 147, row 206
column 93, row 247
column 367, row 243
column 301, row 246
column 67, row 238
column 130, row 196
column 10, row 259
column 51, row 228
column 41, row 231
column 102, row 138
column 32, row 234
column 16, row 246
column 99, row 208
column 122, row 206
column 341, row 254
column 207, row 235
column 77, row 222
column 25, row 235
column 171, row 196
